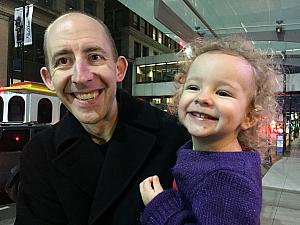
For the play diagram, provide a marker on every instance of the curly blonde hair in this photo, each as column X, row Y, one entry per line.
column 263, row 104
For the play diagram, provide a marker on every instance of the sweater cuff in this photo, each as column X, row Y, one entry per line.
column 162, row 207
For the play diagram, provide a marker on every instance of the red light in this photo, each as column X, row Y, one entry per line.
column 181, row 43
column 280, row 130
column 17, row 138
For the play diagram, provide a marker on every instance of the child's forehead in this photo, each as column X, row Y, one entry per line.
column 221, row 66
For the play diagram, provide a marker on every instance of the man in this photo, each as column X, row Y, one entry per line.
column 87, row 168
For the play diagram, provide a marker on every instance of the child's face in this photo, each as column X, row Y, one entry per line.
column 215, row 101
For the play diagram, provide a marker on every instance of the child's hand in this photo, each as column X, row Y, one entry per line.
column 149, row 188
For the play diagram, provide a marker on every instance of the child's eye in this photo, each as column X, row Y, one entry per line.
column 192, row 87
column 224, row 93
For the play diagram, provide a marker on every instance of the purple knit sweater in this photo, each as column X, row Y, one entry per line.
column 213, row 189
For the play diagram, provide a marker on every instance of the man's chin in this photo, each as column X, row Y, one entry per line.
column 88, row 119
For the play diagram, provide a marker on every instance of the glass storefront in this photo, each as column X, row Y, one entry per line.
column 159, row 72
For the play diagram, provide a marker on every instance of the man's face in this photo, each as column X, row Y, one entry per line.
column 82, row 69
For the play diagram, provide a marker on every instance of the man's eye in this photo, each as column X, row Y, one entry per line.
column 61, row 61
column 95, row 58
column 224, row 93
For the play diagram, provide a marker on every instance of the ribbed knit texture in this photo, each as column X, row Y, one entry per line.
column 213, row 189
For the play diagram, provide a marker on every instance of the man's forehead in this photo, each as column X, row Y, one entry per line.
column 72, row 29
column 75, row 21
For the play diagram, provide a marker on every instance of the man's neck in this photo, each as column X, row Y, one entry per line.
column 102, row 131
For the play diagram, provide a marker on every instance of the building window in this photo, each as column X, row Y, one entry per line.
column 108, row 20
column 159, row 37
column 16, row 109
column 143, row 26
column 136, row 21
column 137, row 49
column 155, row 53
column 167, row 42
column 118, row 44
column 44, row 111
column 44, row 3
column 33, row 57
column 171, row 71
column 149, row 73
column 140, row 74
column 145, row 51
column 160, row 72
column 90, row 7
column 72, row 4
column 119, row 19
column 154, row 34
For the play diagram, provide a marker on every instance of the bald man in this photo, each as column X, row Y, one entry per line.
column 86, row 169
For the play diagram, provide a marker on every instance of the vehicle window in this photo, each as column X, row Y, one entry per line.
column 1, row 109
column 44, row 111
column 16, row 109
column 13, row 140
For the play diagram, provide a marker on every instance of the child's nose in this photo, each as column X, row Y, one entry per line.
column 203, row 98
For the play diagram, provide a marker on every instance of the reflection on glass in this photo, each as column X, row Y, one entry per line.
column 160, row 72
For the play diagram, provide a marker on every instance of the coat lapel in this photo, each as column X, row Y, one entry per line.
column 76, row 154
column 128, row 150
column 78, row 163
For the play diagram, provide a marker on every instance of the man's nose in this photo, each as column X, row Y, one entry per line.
column 81, row 72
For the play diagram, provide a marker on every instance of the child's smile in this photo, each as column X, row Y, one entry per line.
column 215, row 101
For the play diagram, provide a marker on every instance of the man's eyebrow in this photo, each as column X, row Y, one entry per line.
column 95, row 48
column 59, row 53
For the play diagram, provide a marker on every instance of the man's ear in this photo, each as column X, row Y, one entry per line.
column 47, row 78
column 121, row 68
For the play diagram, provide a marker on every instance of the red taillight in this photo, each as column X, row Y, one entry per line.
column 17, row 138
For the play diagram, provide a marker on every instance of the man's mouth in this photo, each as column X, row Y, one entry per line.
column 202, row 116
column 87, row 95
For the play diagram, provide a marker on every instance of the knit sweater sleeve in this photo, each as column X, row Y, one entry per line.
column 227, row 198
column 222, row 198
column 167, row 208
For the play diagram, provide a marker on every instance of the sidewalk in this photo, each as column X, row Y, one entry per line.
column 281, row 190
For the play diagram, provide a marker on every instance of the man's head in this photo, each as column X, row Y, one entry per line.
column 83, row 67
column 112, row 43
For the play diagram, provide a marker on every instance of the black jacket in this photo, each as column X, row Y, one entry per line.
column 59, row 178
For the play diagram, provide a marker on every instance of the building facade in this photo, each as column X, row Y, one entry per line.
column 23, row 64
column 135, row 37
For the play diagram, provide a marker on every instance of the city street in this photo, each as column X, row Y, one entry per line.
column 7, row 211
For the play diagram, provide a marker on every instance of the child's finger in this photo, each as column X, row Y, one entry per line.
column 156, row 184
column 146, row 184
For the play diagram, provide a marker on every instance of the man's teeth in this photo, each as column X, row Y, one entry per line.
column 86, row 96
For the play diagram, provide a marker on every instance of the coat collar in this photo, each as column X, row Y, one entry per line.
column 129, row 147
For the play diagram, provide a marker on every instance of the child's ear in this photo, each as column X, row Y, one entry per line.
column 250, row 121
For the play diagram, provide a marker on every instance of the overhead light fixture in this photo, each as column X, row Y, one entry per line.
column 243, row 26
column 279, row 27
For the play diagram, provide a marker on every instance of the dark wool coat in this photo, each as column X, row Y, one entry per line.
column 59, row 175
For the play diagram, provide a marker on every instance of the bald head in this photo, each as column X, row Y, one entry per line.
column 69, row 19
